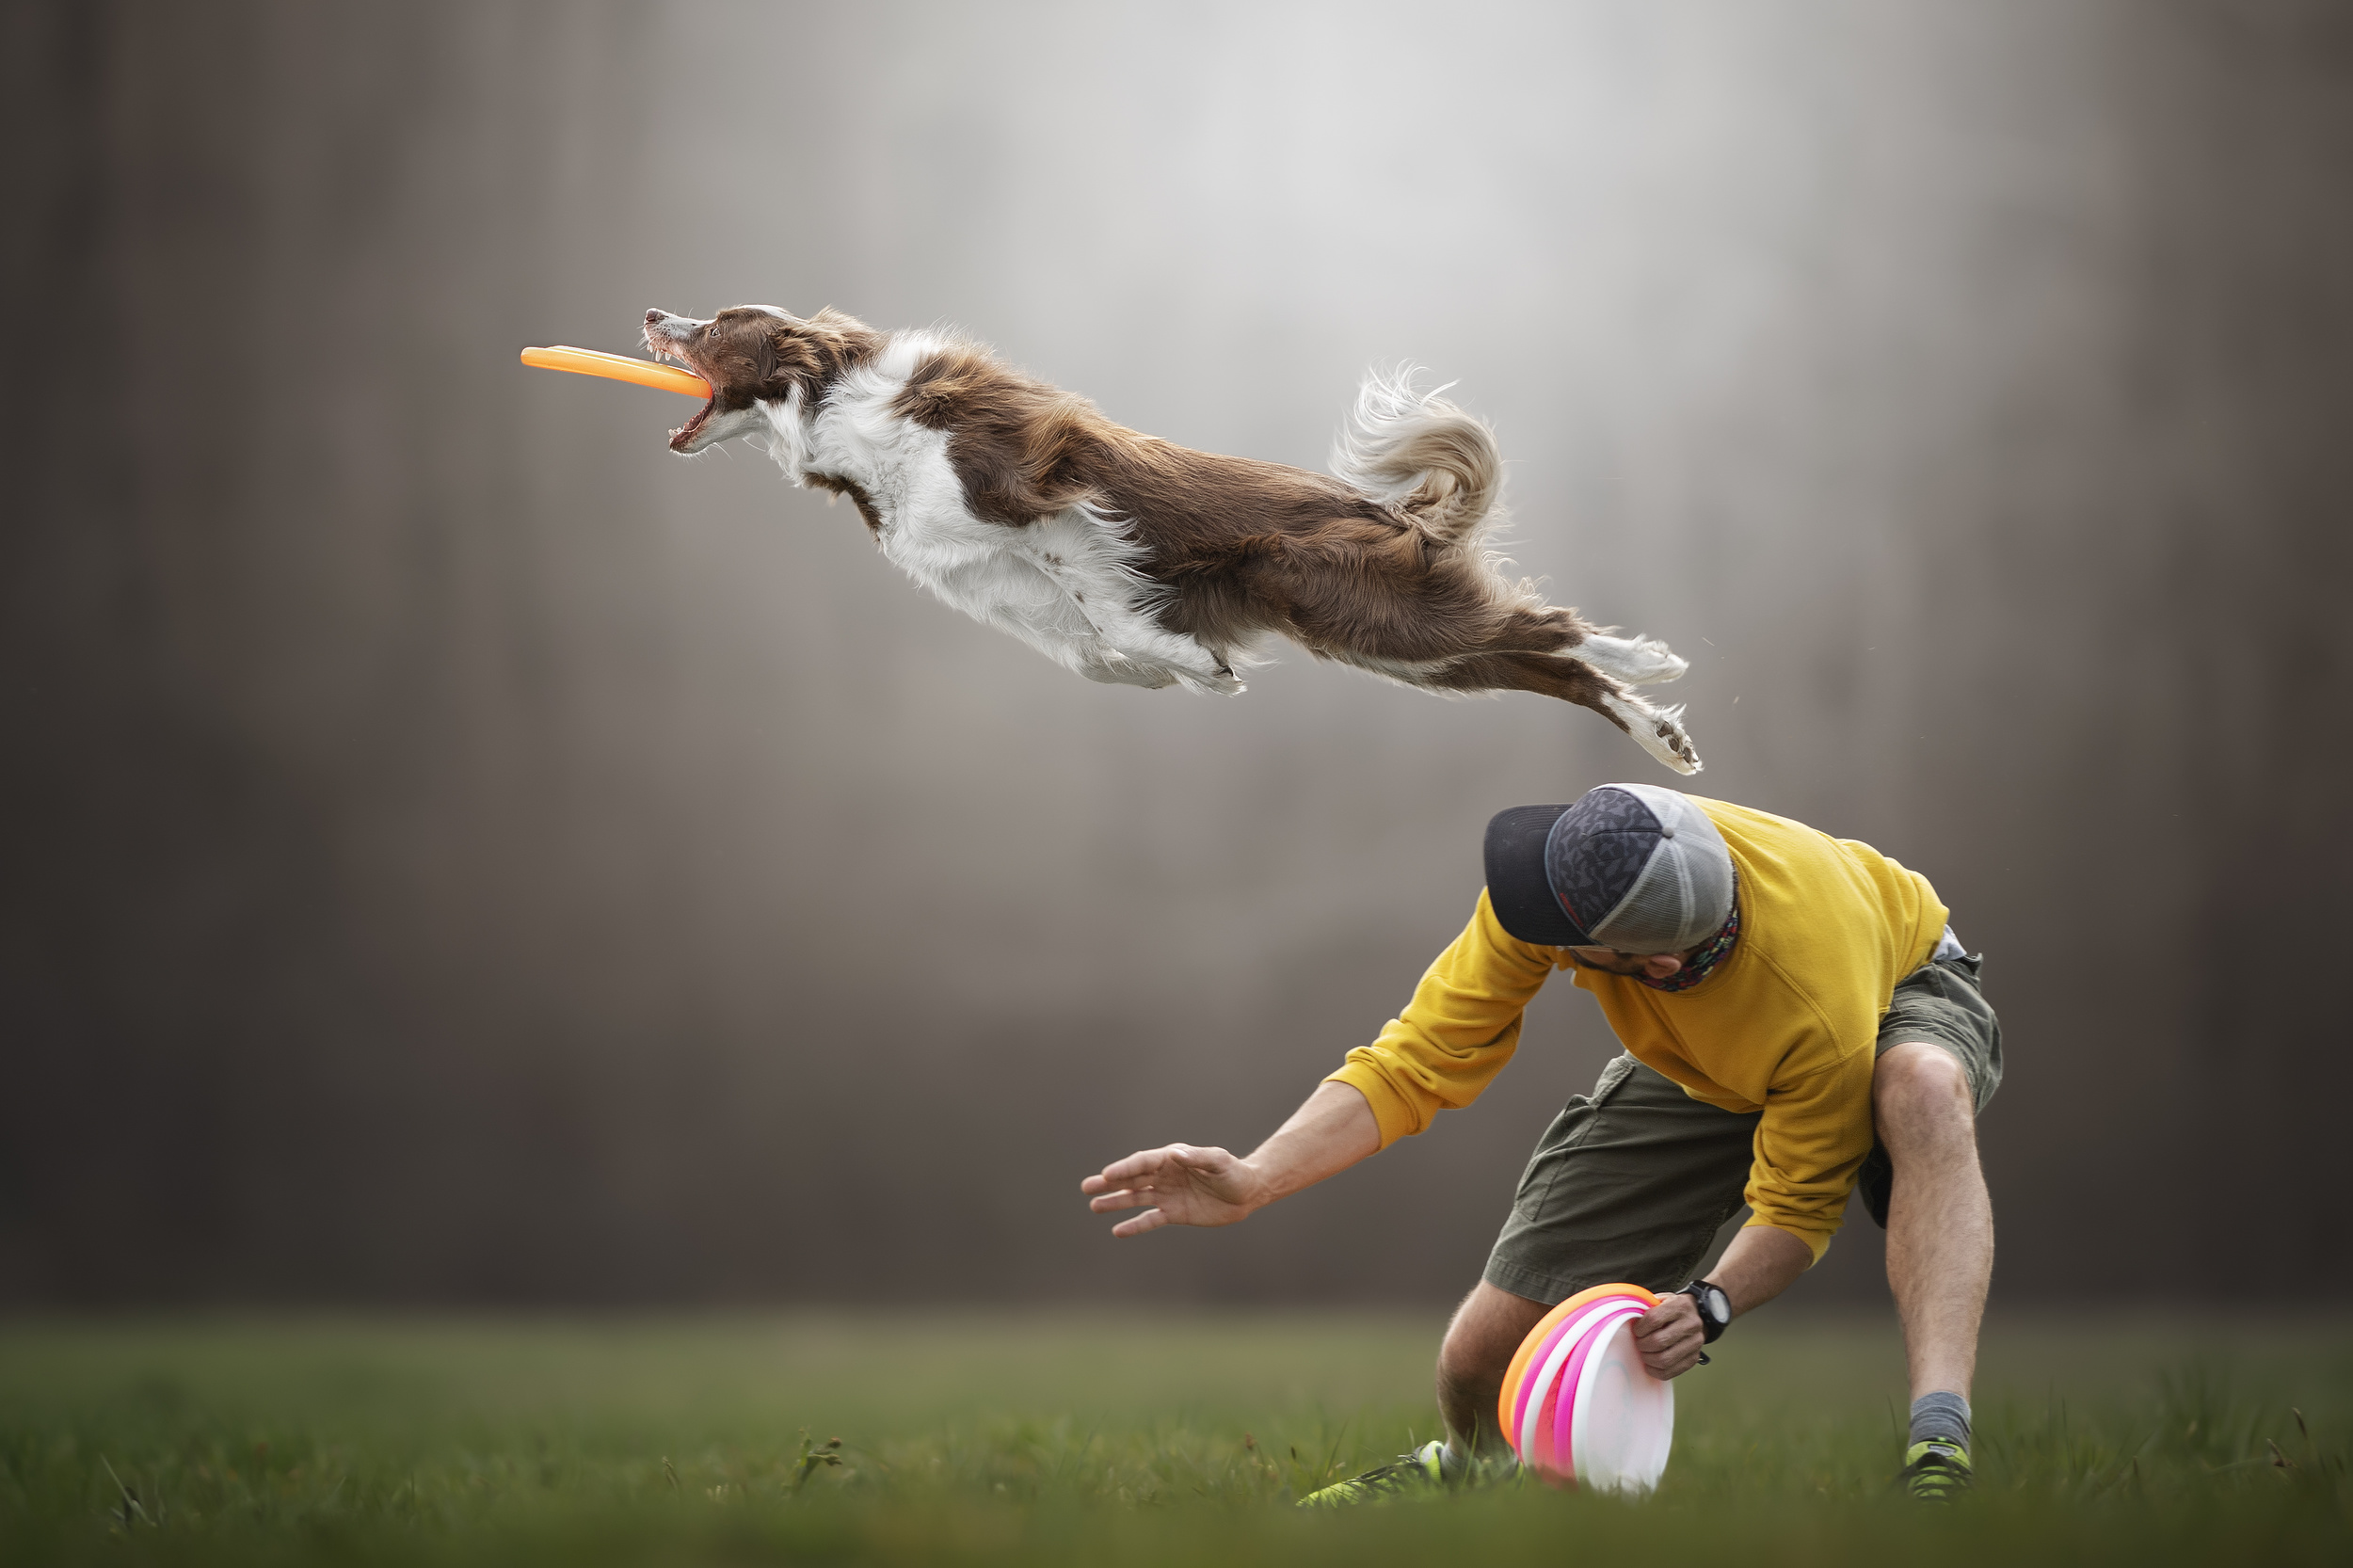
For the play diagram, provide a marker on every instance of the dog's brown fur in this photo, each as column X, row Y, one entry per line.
column 1399, row 587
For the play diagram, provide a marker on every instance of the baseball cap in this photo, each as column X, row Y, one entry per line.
column 1634, row 867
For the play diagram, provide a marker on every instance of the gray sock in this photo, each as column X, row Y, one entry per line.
column 1940, row 1417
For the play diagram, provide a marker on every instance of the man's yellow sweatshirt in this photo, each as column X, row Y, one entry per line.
column 1785, row 1023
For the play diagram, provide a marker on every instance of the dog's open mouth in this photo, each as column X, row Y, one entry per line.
column 684, row 435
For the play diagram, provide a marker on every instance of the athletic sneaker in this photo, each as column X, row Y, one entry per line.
column 1936, row 1470
column 1428, row 1468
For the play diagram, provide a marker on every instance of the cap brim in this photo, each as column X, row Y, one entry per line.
column 1516, row 884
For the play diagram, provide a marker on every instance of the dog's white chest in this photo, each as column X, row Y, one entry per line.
column 1067, row 585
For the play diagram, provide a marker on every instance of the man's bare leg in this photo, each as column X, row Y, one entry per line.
column 1939, row 1222
column 1486, row 1330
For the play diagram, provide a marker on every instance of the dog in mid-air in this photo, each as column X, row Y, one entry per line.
column 1135, row 560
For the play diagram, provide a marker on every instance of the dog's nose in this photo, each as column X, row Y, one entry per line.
column 655, row 318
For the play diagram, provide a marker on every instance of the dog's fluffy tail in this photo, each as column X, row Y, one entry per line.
column 1420, row 453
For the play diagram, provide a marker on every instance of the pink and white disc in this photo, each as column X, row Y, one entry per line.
column 1622, row 1423
column 1542, row 1385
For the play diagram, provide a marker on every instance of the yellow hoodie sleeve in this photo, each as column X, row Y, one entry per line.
column 1454, row 1036
column 1814, row 1136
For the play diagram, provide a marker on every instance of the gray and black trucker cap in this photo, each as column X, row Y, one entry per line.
column 1634, row 867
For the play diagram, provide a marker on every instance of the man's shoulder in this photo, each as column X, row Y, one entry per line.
column 1763, row 831
column 1783, row 849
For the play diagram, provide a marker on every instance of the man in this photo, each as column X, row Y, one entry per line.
column 1797, row 1016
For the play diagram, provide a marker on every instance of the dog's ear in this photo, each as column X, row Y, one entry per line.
column 808, row 354
column 785, row 357
column 766, row 355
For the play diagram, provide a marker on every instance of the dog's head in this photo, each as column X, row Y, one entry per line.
column 751, row 355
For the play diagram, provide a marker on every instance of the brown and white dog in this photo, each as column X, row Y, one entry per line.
column 1132, row 560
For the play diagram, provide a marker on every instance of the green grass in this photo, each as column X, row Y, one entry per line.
column 1111, row 1438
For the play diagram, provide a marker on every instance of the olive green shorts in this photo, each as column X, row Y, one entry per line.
column 1632, row 1181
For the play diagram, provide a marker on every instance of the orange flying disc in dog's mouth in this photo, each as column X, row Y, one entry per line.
column 617, row 367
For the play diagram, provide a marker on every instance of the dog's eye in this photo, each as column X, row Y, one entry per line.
column 711, row 331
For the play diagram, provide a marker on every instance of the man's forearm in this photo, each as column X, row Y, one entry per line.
column 1760, row 1264
column 1333, row 1130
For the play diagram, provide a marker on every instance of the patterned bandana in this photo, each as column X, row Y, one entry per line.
column 1706, row 960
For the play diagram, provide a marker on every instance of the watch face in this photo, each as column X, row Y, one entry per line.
column 1716, row 1303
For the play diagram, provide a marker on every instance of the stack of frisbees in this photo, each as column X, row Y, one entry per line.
column 1579, row 1406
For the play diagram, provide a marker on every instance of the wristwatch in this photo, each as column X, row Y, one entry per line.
column 1715, row 1308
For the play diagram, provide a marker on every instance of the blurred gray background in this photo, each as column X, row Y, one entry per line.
column 452, row 851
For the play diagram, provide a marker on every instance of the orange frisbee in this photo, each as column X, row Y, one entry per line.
column 617, row 367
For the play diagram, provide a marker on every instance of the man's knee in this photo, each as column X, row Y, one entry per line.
column 1486, row 1330
column 1920, row 1090
column 1471, row 1361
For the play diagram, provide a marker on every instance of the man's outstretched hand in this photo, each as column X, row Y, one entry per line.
column 1179, row 1185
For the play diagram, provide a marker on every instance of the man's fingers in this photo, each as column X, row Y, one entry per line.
column 1130, row 1172
column 1666, row 1364
column 1174, row 1166
column 1127, row 1197
column 1676, row 1311
column 1667, row 1338
column 1674, row 1368
column 1671, row 1346
column 1178, row 1172
column 1146, row 1162
column 1674, row 1336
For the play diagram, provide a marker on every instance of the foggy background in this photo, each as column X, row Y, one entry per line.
column 452, row 851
